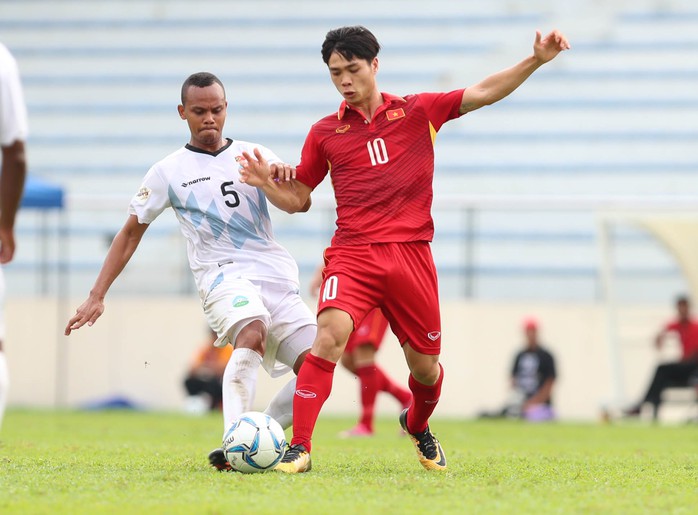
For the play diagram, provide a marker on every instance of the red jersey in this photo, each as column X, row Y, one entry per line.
column 688, row 334
column 382, row 171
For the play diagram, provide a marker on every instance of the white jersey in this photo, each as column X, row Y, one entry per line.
column 226, row 223
column 13, row 111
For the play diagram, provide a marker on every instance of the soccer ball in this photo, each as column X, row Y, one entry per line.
column 255, row 442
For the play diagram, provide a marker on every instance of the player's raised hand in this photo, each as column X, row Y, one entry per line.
column 87, row 313
column 254, row 171
column 546, row 48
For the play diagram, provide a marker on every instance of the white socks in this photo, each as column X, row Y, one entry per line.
column 4, row 385
column 281, row 406
column 239, row 384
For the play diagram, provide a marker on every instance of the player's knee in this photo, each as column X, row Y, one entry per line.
column 252, row 336
column 329, row 345
column 426, row 371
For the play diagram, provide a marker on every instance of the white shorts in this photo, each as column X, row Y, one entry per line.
column 236, row 302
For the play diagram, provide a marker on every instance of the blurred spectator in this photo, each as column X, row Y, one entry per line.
column 532, row 378
column 678, row 373
column 204, row 381
column 13, row 133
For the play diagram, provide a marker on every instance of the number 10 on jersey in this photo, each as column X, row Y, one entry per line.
column 377, row 151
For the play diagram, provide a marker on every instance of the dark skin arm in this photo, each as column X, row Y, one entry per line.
column 122, row 248
column 14, row 172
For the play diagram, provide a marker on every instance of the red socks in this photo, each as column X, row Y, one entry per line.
column 313, row 387
column 369, row 381
column 385, row 384
column 425, row 400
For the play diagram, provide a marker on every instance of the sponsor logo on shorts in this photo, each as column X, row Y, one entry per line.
column 143, row 195
column 306, row 394
column 434, row 335
column 240, row 301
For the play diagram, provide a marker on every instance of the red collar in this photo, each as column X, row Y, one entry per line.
column 387, row 99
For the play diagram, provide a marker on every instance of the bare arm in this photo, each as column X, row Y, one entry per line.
column 281, row 187
column 122, row 248
column 497, row 86
column 14, row 171
column 659, row 339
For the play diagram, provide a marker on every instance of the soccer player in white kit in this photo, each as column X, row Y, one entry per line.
column 13, row 133
column 247, row 282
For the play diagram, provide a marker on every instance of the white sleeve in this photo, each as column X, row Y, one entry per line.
column 151, row 199
column 13, row 110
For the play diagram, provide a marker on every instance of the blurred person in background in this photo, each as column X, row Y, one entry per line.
column 204, row 380
column 533, row 376
column 359, row 358
column 13, row 134
column 247, row 282
column 677, row 373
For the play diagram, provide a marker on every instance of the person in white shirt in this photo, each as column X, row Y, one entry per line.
column 13, row 134
column 247, row 282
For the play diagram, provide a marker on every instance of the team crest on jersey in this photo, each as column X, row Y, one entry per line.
column 240, row 301
column 241, row 161
column 143, row 195
column 395, row 114
column 342, row 129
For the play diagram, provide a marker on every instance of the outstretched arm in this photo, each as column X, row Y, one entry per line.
column 497, row 86
column 278, row 183
column 122, row 248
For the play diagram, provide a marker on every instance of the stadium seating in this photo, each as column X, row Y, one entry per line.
column 618, row 115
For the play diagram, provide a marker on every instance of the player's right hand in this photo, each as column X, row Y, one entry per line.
column 254, row 171
column 7, row 245
column 87, row 313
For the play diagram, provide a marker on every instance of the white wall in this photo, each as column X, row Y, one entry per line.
column 141, row 346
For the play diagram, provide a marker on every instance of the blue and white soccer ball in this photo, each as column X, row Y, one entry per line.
column 255, row 442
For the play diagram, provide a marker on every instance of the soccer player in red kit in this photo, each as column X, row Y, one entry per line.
column 379, row 150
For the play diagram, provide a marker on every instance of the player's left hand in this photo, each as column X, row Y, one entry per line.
column 546, row 48
column 88, row 313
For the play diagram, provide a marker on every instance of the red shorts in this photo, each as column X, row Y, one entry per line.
column 371, row 331
column 399, row 278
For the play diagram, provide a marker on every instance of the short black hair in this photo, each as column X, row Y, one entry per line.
column 683, row 299
column 200, row 80
column 350, row 42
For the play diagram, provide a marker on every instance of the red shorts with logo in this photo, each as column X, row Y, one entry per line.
column 400, row 278
column 371, row 331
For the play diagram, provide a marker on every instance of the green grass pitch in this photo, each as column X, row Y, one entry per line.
column 135, row 462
